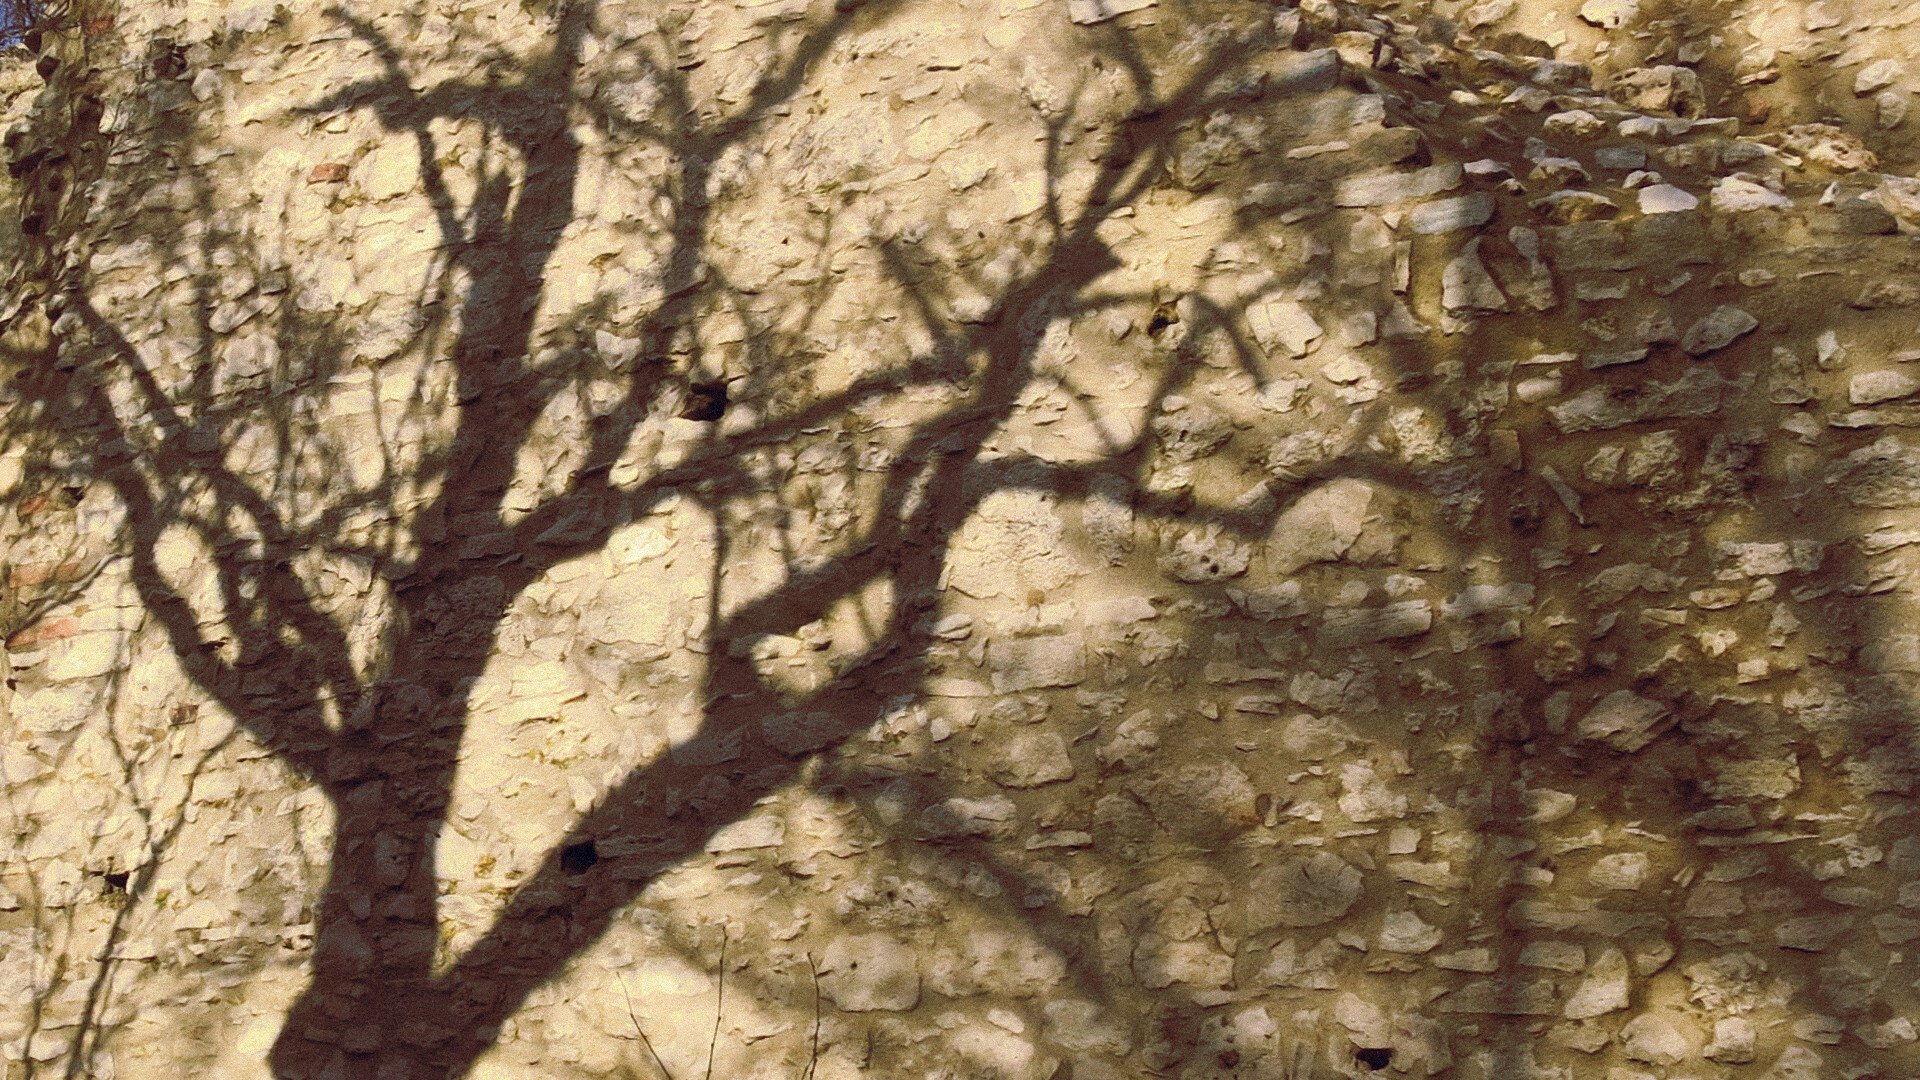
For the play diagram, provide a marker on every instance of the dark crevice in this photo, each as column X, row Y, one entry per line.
column 577, row 859
column 706, row 401
column 1373, row 1058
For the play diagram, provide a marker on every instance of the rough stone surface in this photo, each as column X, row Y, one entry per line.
column 1718, row 329
column 979, row 541
column 869, row 973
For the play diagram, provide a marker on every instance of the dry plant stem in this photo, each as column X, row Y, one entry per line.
column 813, row 1055
column 644, row 1041
column 719, row 1002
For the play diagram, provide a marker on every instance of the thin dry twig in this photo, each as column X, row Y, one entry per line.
column 719, row 1002
column 644, row 1041
column 813, row 1055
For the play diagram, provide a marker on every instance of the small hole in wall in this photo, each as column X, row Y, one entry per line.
column 33, row 225
column 116, row 881
column 26, row 163
column 705, row 401
column 1373, row 1058
column 577, row 859
column 47, row 65
column 170, row 61
column 1163, row 316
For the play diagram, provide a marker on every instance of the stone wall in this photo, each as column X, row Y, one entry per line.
column 1005, row 539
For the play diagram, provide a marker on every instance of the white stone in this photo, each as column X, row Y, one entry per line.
column 958, row 816
column 1567, row 956
column 1502, row 598
column 1160, row 962
column 1406, row 932
column 206, row 83
column 1621, row 871
column 1282, row 324
column 1876, row 76
column 1733, row 1041
column 946, row 129
column 1659, row 1038
column 748, row 834
column 1320, row 527
column 1080, row 1026
column 1088, row 12
column 1576, row 122
column 1026, row 759
column 1666, row 199
column 1873, row 387
column 1366, row 1022
column 1001, row 1052
column 1205, row 555
column 1603, row 990
column 1890, row 108
column 1609, row 14
column 1733, row 195
column 1884, row 474
column 1448, row 215
column 1397, row 185
column 85, row 656
column 1365, row 797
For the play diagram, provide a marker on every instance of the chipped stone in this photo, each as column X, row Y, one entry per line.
column 1876, row 76
column 1623, row 720
column 1321, row 526
column 1280, row 324
column 1467, row 286
column 1717, row 329
column 1733, row 195
column 1605, row 988
column 1028, row 759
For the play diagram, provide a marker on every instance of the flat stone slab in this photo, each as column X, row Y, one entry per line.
column 1448, row 215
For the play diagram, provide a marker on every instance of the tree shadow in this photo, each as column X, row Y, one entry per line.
column 235, row 500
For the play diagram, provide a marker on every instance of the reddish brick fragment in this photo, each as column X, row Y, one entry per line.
column 41, row 633
column 327, row 172
column 29, row 576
